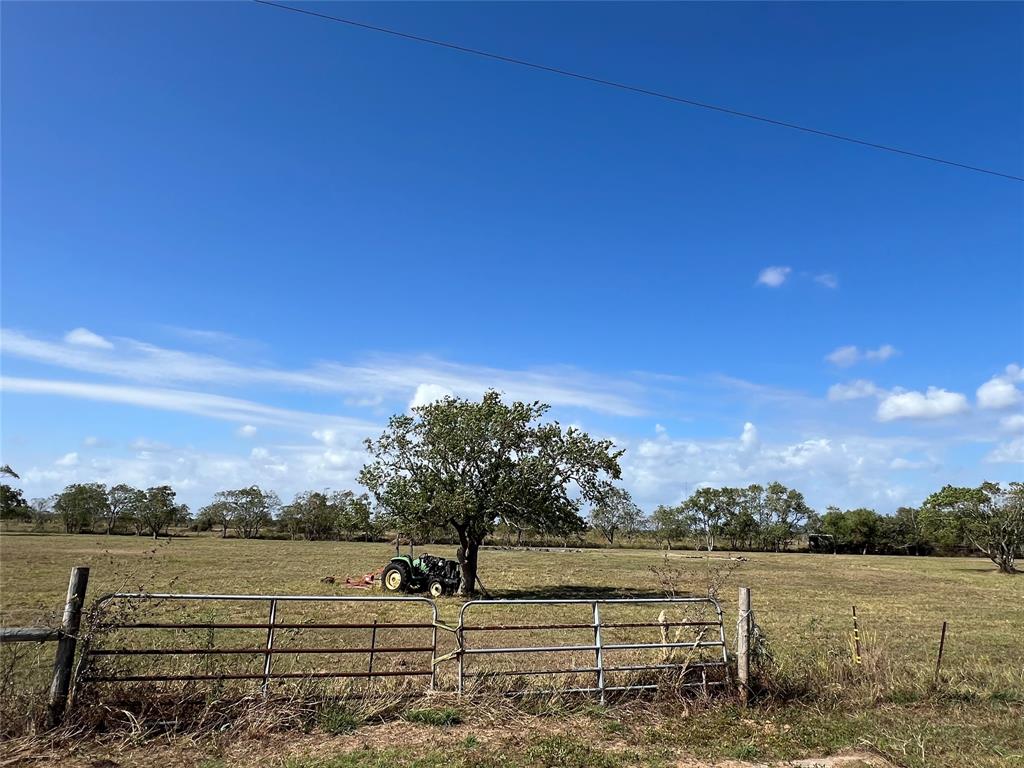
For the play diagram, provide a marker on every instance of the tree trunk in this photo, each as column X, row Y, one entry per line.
column 468, row 555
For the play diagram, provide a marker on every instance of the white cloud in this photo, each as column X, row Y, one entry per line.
column 845, row 470
column 935, row 403
column 67, row 460
column 247, row 430
column 773, row 277
column 827, row 279
column 91, row 441
column 850, row 355
column 1001, row 391
column 854, row 390
column 1011, row 452
column 749, row 440
column 83, row 337
column 1013, row 423
column 429, row 393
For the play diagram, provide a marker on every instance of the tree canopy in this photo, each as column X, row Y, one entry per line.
column 469, row 465
column 989, row 517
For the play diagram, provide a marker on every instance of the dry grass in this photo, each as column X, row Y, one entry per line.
column 814, row 700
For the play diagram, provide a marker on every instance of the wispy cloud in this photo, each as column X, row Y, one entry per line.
column 83, row 337
column 849, row 355
column 184, row 401
column 827, row 279
column 366, row 381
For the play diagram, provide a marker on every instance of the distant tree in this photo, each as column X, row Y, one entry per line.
column 157, row 510
column 213, row 515
column 6, row 471
column 469, row 465
column 906, row 532
column 41, row 510
column 249, row 509
column 12, row 504
column 739, row 526
column 989, row 517
column 122, row 501
column 863, row 527
column 615, row 513
column 670, row 524
column 312, row 515
column 355, row 516
column 786, row 514
column 79, row 504
column 708, row 508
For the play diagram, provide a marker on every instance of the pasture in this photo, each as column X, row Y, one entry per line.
column 815, row 700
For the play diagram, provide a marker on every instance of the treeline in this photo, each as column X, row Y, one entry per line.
column 248, row 513
column 988, row 519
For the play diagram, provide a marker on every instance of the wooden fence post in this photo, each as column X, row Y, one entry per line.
column 743, row 644
column 64, row 660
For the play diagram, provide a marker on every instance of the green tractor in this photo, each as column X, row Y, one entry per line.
column 436, row 575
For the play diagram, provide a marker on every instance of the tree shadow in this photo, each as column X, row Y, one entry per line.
column 573, row 592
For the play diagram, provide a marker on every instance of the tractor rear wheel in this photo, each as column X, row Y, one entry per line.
column 395, row 578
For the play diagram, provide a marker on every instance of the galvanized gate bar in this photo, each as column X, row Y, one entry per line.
column 271, row 625
column 599, row 647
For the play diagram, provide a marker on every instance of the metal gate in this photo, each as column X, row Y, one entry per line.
column 259, row 637
column 592, row 646
column 604, row 657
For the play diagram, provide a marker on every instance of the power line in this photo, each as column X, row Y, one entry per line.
column 637, row 89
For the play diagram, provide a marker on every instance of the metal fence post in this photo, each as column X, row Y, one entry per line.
column 268, row 657
column 598, row 655
column 64, row 659
column 743, row 644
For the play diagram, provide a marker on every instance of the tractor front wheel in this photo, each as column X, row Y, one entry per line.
column 395, row 578
column 436, row 589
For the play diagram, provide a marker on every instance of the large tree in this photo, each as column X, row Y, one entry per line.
column 469, row 465
column 12, row 504
column 709, row 508
column 123, row 502
column 249, row 509
column 79, row 504
column 989, row 518
column 156, row 509
column 670, row 524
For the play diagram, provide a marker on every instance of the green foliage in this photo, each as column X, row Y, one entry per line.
column 337, row 718
column 155, row 510
column 79, row 504
column 670, row 524
column 247, row 510
column 317, row 516
column 614, row 512
column 857, row 530
column 12, row 504
column 469, row 465
column 989, row 518
column 123, row 503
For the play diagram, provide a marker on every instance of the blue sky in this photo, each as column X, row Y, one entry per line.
column 235, row 239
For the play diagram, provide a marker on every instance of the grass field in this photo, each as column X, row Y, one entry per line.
column 819, row 703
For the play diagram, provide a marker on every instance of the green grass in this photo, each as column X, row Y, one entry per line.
column 821, row 703
column 440, row 716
